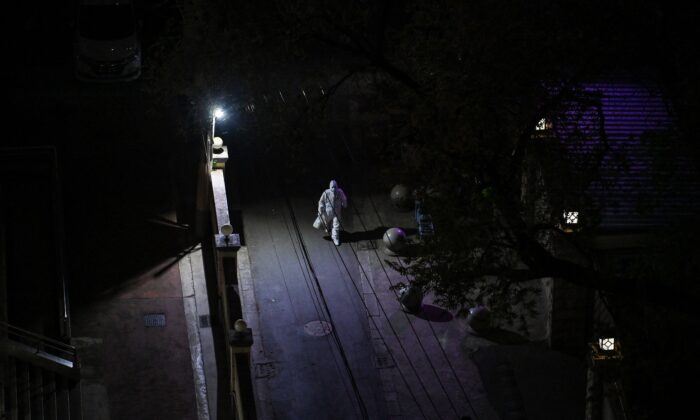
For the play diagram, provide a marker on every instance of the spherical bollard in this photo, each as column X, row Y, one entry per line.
column 395, row 239
column 411, row 299
column 241, row 337
column 401, row 197
column 240, row 325
column 479, row 319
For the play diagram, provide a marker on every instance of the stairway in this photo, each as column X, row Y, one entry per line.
column 35, row 382
column 30, row 392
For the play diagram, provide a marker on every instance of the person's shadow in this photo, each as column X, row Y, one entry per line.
column 363, row 235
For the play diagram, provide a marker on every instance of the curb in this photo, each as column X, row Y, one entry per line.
column 194, row 300
column 251, row 316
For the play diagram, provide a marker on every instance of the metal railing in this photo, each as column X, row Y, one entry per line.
column 39, row 342
column 26, row 154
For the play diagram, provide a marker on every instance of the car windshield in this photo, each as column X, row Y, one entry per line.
column 106, row 22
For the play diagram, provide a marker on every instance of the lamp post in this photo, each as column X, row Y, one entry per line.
column 216, row 113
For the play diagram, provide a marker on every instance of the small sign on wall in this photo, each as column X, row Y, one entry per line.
column 154, row 320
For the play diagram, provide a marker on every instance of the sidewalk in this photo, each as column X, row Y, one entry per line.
column 137, row 366
column 502, row 376
column 428, row 372
column 147, row 350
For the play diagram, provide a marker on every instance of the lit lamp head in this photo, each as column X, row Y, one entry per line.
column 571, row 219
column 216, row 113
column 606, row 344
column 218, row 145
column 605, row 353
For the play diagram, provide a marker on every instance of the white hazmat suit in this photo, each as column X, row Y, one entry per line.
column 330, row 206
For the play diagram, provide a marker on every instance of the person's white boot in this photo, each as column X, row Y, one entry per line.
column 336, row 241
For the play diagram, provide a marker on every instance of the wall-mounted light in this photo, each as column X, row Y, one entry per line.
column 605, row 352
column 543, row 124
column 607, row 344
column 571, row 218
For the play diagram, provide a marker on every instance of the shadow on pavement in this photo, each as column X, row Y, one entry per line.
column 176, row 259
column 125, row 255
column 363, row 235
column 434, row 314
column 501, row 336
column 371, row 235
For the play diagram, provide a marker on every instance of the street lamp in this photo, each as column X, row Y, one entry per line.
column 216, row 113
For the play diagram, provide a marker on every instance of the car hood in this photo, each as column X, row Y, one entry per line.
column 107, row 50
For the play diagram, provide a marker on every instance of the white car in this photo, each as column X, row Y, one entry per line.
column 107, row 46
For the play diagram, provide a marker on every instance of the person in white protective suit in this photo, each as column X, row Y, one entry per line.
column 330, row 206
